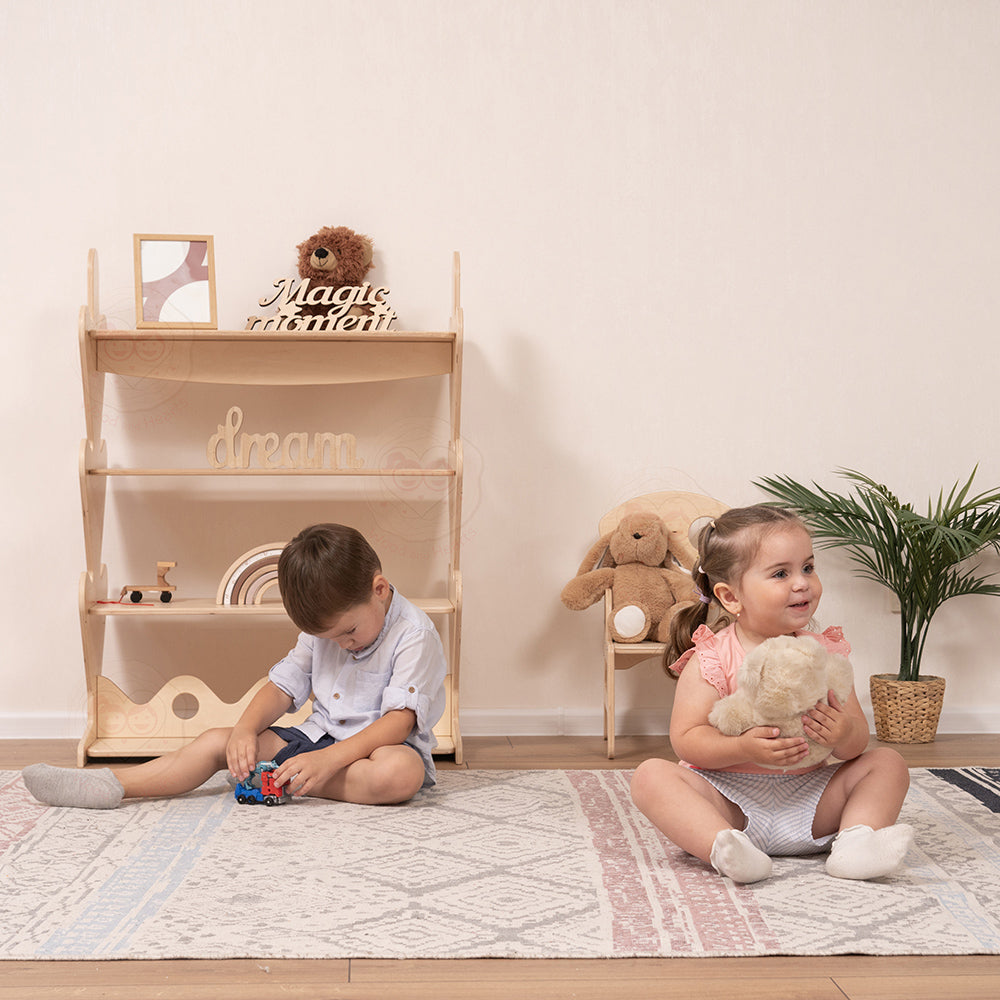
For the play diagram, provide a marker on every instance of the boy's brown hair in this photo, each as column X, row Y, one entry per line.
column 323, row 571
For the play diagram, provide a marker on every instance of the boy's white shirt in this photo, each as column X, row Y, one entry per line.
column 404, row 667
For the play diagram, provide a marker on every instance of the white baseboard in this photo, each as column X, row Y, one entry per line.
column 648, row 722
column 493, row 722
column 559, row 722
column 41, row 725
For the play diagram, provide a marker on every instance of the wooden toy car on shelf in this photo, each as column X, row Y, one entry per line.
column 166, row 590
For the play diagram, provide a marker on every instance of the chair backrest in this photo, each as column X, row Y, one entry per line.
column 678, row 510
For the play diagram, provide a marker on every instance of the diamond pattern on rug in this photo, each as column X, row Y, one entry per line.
column 526, row 864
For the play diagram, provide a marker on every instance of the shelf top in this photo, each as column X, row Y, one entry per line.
column 271, row 336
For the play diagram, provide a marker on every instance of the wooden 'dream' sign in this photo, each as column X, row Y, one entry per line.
column 297, row 450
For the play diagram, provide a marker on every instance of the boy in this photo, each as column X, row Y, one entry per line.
column 374, row 665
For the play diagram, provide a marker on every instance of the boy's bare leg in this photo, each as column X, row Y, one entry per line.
column 187, row 768
column 172, row 774
column 391, row 775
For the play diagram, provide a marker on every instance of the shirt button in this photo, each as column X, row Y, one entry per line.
column 343, row 722
column 336, row 696
column 411, row 690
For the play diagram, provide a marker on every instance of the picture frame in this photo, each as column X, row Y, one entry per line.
column 174, row 281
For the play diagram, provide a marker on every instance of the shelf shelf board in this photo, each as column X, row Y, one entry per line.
column 276, row 336
column 209, row 473
column 154, row 746
column 206, row 606
column 249, row 357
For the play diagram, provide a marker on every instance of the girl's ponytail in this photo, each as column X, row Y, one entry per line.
column 689, row 619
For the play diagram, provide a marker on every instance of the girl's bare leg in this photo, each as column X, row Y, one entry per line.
column 698, row 818
column 683, row 806
column 863, row 801
column 868, row 790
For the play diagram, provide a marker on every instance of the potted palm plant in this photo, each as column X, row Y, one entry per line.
column 921, row 558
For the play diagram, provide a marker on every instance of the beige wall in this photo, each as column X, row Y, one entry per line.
column 702, row 243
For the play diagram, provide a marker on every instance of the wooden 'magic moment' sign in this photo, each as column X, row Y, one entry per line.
column 297, row 450
column 353, row 308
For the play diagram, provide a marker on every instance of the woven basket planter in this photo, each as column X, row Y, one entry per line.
column 906, row 711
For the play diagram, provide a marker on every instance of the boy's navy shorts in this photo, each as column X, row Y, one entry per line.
column 298, row 742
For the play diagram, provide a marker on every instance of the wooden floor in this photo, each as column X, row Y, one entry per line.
column 835, row 978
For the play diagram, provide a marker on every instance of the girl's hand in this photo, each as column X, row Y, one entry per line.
column 829, row 724
column 241, row 753
column 765, row 745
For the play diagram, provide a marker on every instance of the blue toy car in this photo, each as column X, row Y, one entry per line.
column 260, row 787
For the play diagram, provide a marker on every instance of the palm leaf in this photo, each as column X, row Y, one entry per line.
column 921, row 558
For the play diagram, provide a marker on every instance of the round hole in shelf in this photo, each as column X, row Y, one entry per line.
column 185, row 706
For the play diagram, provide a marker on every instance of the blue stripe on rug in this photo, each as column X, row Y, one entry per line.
column 159, row 863
column 983, row 783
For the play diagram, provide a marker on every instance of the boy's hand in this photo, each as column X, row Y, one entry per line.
column 302, row 773
column 829, row 724
column 766, row 746
column 241, row 753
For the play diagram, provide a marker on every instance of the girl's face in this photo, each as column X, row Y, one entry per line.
column 780, row 591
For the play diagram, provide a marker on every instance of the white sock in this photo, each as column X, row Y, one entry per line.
column 860, row 852
column 66, row 786
column 735, row 857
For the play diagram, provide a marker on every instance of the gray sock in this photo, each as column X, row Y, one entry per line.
column 67, row 786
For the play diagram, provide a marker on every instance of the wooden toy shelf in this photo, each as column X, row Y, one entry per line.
column 119, row 727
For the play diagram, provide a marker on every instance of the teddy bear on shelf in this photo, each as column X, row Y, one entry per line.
column 780, row 680
column 335, row 257
column 636, row 562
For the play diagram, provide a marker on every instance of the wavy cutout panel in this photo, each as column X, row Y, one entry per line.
column 183, row 708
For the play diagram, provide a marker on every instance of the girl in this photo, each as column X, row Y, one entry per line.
column 756, row 571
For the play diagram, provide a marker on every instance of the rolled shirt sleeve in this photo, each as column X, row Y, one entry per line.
column 294, row 673
column 417, row 680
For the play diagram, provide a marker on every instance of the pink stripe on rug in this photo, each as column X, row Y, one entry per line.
column 20, row 812
column 665, row 903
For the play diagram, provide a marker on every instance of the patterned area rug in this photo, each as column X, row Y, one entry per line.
column 525, row 864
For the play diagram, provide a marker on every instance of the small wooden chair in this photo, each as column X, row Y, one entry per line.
column 679, row 511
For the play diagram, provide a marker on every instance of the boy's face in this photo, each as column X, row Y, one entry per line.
column 359, row 626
